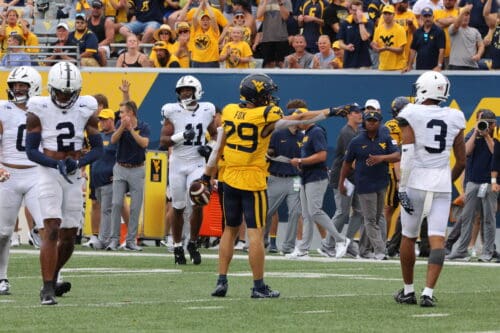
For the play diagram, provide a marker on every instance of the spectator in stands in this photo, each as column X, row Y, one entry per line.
column 87, row 43
column 492, row 36
column 405, row 18
column 238, row 21
column 181, row 50
column 245, row 7
column 103, row 29
column 187, row 13
column 171, row 6
column 132, row 57
column 428, row 44
column 354, row 36
column 274, row 44
column 467, row 46
column 166, row 35
column 478, row 19
column 163, row 58
column 58, row 54
column 10, row 25
column 300, row 58
column 310, row 19
column 389, row 41
column 334, row 13
column 148, row 16
column 443, row 18
column 421, row 4
column 116, row 11
column 15, row 56
column 323, row 59
column 30, row 39
column 205, row 37
column 338, row 62
column 236, row 53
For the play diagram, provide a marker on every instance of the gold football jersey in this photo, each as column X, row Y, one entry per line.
column 245, row 149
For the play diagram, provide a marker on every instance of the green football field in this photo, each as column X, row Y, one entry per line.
column 145, row 292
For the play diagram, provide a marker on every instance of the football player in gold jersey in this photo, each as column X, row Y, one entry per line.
column 391, row 196
column 247, row 132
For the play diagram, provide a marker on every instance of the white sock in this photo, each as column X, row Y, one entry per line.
column 177, row 244
column 427, row 291
column 409, row 289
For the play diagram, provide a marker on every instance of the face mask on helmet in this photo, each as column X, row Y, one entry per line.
column 188, row 99
column 65, row 84
column 23, row 82
column 258, row 89
column 431, row 85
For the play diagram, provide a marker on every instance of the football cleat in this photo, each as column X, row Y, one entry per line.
column 194, row 254
column 265, row 292
column 401, row 298
column 427, row 301
column 47, row 298
column 220, row 289
column 179, row 257
column 62, row 288
column 4, row 287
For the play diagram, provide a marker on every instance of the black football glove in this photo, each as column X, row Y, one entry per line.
column 343, row 110
column 71, row 165
column 405, row 202
column 61, row 166
column 189, row 134
column 205, row 151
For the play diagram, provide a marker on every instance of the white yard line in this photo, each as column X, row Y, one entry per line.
column 268, row 257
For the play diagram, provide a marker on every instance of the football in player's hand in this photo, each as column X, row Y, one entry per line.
column 199, row 193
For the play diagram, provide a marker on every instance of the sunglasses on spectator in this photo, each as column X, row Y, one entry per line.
column 183, row 31
column 240, row 16
column 164, row 33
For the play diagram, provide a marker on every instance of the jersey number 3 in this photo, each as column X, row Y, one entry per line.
column 440, row 137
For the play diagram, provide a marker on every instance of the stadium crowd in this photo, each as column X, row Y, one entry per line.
column 394, row 35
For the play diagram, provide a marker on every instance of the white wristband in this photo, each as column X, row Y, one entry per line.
column 176, row 138
column 493, row 180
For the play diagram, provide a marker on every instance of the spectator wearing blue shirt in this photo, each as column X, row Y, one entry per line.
column 132, row 137
column 15, row 57
column 86, row 40
column 428, row 44
column 354, row 37
column 371, row 150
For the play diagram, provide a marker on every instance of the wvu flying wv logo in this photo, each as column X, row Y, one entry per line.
column 387, row 40
column 259, row 85
column 383, row 145
column 202, row 42
column 364, row 146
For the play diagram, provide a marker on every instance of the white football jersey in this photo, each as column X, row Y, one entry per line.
column 184, row 119
column 63, row 131
column 13, row 141
column 435, row 130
